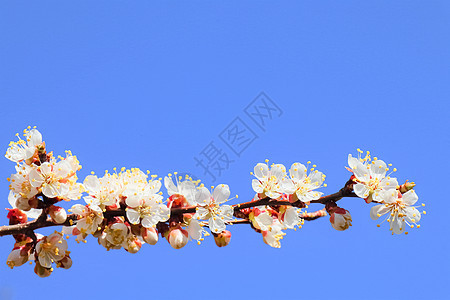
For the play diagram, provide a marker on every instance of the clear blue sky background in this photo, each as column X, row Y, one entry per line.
column 134, row 83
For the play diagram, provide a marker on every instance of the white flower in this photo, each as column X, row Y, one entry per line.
column 91, row 217
column 268, row 182
column 400, row 209
column 290, row 217
column 54, row 178
column 261, row 218
column 370, row 176
column 50, row 249
column 273, row 236
column 303, row 184
column 117, row 233
column 145, row 208
column 185, row 188
column 210, row 209
column 24, row 149
column 19, row 182
column 102, row 192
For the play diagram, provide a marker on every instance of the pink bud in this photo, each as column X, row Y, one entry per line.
column 16, row 216
column 150, row 235
column 178, row 238
column 340, row 219
column 58, row 214
column 222, row 239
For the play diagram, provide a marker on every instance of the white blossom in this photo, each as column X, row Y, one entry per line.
column 24, row 149
column 185, row 188
column 269, row 182
column 50, row 249
column 91, row 217
column 370, row 176
column 399, row 208
column 56, row 179
column 146, row 209
column 209, row 207
column 302, row 184
column 273, row 236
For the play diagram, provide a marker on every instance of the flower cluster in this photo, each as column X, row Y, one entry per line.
column 273, row 182
column 127, row 209
column 300, row 185
column 372, row 183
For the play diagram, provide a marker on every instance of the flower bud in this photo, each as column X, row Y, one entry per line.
column 222, row 239
column 65, row 263
column 177, row 200
column 17, row 257
column 16, row 216
column 58, row 214
column 132, row 244
column 41, row 271
column 150, row 235
column 340, row 219
column 177, row 238
column 406, row 187
column 23, row 204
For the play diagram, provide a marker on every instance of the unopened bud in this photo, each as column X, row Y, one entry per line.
column 177, row 238
column 58, row 214
column 177, row 200
column 132, row 244
column 150, row 235
column 16, row 216
column 41, row 271
column 406, row 187
column 340, row 219
column 23, row 204
column 222, row 239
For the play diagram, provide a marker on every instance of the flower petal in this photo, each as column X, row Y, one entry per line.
column 298, row 171
column 361, row 190
column 216, row 224
column 410, row 197
column 221, row 193
column 378, row 210
column 203, row 196
column 133, row 216
column 278, row 170
column 261, row 171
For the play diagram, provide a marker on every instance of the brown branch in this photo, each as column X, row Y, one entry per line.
column 42, row 221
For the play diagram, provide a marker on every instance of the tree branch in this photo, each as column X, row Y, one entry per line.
column 42, row 221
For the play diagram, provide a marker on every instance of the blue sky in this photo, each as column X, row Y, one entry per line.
column 150, row 85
